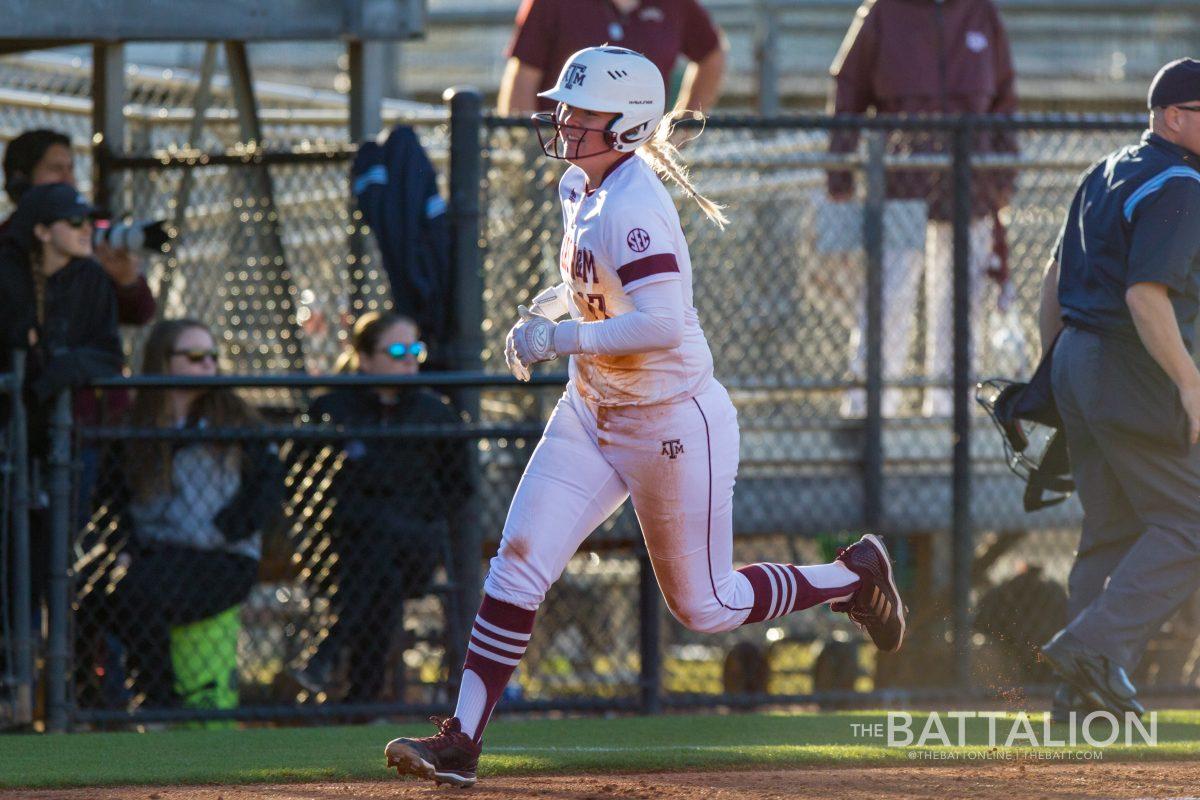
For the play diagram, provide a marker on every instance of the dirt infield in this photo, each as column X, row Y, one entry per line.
column 983, row 782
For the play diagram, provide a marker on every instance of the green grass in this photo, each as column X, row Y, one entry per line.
column 523, row 746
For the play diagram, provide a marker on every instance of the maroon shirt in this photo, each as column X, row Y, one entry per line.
column 549, row 31
column 927, row 57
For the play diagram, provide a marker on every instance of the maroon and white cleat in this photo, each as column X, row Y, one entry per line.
column 449, row 756
column 875, row 606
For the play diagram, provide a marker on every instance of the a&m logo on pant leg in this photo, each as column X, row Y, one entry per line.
column 672, row 448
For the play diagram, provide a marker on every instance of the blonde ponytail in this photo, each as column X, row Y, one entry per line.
column 664, row 158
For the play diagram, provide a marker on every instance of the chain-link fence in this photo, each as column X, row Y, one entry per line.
column 274, row 563
column 833, row 324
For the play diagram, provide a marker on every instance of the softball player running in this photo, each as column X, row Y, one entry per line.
column 641, row 417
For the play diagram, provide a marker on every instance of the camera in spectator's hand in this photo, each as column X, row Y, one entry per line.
column 149, row 235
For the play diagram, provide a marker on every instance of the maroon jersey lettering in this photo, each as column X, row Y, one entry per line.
column 584, row 268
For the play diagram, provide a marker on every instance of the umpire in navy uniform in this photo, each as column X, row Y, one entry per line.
column 1121, row 296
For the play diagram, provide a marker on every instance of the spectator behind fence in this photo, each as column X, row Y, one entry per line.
column 39, row 157
column 926, row 57
column 43, row 156
column 192, row 509
column 549, row 31
column 391, row 503
column 56, row 303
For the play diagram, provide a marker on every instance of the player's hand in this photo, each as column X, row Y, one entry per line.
column 533, row 338
column 842, row 195
column 120, row 264
column 519, row 370
column 1190, row 397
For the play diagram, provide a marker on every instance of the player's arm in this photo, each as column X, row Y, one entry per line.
column 518, row 88
column 1154, row 316
column 703, row 44
column 529, row 55
column 852, row 91
column 638, row 238
column 1049, row 313
column 1163, row 250
column 656, row 323
column 702, row 80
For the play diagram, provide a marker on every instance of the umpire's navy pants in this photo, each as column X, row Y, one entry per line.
column 1139, row 483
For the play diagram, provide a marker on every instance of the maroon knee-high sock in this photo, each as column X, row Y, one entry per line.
column 498, row 640
column 782, row 588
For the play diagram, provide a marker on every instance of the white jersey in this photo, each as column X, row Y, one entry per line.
column 623, row 235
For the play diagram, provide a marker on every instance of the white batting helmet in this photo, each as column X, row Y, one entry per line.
column 614, row 80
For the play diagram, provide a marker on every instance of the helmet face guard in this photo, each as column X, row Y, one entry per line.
column 1035, row 452
column 605, row 80
column 558, row 146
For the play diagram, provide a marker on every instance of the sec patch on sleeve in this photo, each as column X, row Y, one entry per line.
column 638, row 240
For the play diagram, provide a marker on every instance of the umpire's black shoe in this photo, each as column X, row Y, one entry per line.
column 1092, row 674
column 875, row 606
column 449, row 756
column 1067, row 701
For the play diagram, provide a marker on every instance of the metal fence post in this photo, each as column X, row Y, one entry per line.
column 58, row 650
column 368, row 70
column 873, row 246
column 108, row 119
column 262, row 187
column 21, row 589
column 766, row 54
column 650, row 632
column 962, row 545
column 466, row 337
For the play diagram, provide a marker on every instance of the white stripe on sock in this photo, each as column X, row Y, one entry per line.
column 477, row 634
column 828, row 576
column 793, row 590
column 483, row 623
column 786, row 591
column 488, row 654
column 774, row 590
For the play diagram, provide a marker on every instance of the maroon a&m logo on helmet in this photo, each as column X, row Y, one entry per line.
column 576, row 72
column 638, row 240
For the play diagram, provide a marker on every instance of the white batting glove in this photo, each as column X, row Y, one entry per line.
column 519, row 370
column 533, row 338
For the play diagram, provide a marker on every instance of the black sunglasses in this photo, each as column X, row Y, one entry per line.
column 400, row 350
column 76, row 222
column 197, row 355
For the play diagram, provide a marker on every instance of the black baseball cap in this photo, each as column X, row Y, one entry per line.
column 1177, row 82
column 51, row 202
column 46, row 204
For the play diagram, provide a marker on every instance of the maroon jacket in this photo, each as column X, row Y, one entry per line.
column 548, row 32
column 927, row 57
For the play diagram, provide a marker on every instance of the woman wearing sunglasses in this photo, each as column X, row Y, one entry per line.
column 188, row 511
column 57, row 303
column 390, row 498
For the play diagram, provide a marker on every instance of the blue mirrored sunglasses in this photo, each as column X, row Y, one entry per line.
column 400, row 350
